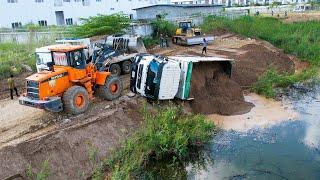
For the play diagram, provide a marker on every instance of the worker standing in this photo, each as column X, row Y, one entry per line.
column 12, row 87
column 161, row 40
column 204, row 45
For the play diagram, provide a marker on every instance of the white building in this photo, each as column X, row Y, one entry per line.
column 15, row 13
column 237, row 2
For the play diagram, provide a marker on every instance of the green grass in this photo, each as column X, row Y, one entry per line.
column 13, row 56
column 301, row 39
column 150, row 42
column 42, row 174
column 169, row 133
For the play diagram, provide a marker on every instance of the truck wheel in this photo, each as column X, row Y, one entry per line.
column 76, row 100
column 126, row 67
column 115, row 69
column 112, row 89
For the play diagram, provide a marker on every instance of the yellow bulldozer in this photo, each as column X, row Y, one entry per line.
column 186, row 34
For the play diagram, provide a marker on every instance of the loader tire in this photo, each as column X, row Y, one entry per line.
column 112, row 89
column 76, row 100
column 126, row 67
column 115, row 69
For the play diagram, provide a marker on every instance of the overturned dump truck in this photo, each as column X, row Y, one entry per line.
column 164, row 78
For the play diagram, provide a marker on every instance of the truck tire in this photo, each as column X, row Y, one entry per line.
column 115, row 69
column 112, row 89
column 126, row 67
column 76, row 100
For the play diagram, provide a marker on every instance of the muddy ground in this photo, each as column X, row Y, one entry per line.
column 31, row 136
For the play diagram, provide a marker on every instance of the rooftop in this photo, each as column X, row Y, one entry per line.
column 180, row 5
column 66, row 48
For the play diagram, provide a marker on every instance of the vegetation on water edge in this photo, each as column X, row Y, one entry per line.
column 301, row 39
column 270, row 80
column 102, row 25
column 13, row 58
column 169, row 133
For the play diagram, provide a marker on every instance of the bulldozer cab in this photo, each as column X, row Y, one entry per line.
column 185, row 26
column 72, row 56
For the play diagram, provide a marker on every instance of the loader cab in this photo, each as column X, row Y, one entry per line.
column 71, row 56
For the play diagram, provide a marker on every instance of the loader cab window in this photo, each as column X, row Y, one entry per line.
column 60, row 58
column 77, row 59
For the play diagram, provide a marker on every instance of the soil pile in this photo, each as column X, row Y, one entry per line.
column 214, row 92
column 258, row 58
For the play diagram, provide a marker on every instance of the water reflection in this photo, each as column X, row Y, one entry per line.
column 287, row 150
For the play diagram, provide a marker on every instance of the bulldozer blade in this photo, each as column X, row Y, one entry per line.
column 194, row 40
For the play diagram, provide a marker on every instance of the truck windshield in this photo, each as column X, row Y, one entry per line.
column 43, row 57
column 152, row 81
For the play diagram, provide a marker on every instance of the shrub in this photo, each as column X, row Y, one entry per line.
column 169, row 133
column 162, row 26
column 101, row 25
column 13, row 56
column 150, row 41
column 43, row 174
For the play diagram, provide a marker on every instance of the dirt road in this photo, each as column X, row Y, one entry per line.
column 16, row 120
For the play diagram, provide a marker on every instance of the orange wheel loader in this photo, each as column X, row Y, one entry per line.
column 70, row 84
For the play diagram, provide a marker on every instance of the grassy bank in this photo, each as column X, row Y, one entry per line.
column 168, row 134
column 13, row 58
column 300, row 39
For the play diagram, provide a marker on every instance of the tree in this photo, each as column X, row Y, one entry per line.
column 101, row 25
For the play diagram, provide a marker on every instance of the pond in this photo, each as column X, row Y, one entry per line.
column 289, row 149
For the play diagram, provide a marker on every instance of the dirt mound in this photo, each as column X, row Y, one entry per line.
column 215, row 92
column 258, row 58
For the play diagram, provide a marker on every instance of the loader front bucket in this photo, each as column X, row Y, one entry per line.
column 126, row 42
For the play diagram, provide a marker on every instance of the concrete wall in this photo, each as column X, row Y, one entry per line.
column 26, row 11
column 261, row 9
column 173, row 12
column 50, row 36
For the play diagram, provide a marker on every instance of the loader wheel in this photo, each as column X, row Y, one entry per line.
column 126, row 67
column 76, row 100
column 115, row 69
column 112, row 89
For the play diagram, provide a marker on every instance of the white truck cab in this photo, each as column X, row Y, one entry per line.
column 43, row 56
column 155, row 77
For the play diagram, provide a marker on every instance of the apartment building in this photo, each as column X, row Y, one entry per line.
column 16, row 13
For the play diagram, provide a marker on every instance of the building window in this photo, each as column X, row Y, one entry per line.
column 98, row 0
column 39, row 1
column 111, row 9
column 85, row 2
column 77, row 0
column 131, row 16
column 16, row 25
column 12, row 1
column 42, row 23
column 69, row 21
column 66, row 0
